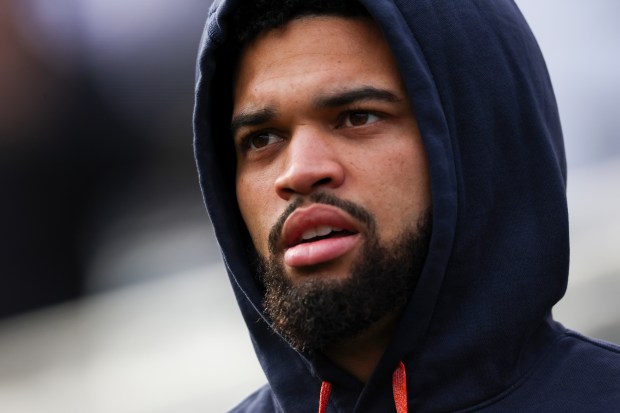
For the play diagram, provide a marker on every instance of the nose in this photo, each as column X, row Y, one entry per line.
column 312, row 162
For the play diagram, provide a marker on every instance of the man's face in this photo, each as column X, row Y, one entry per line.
column 329, row 155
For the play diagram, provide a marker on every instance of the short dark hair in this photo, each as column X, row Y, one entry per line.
column 258, row 16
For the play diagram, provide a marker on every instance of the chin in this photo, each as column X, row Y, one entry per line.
column 328, row 273
column 337, row 270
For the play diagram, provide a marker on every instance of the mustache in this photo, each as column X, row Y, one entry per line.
column 356, row 211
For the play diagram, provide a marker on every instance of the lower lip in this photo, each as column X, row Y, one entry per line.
column 319, row 252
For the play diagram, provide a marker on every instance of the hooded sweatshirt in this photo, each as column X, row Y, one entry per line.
column 477, row 333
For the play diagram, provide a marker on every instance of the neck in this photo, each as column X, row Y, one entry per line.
column 361, row 354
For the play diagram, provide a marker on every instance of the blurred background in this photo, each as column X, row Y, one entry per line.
column 112, row 294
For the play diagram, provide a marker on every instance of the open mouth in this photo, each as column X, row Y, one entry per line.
column 322, row 232
column 318, row 234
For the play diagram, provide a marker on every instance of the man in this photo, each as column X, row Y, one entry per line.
column 387, row 183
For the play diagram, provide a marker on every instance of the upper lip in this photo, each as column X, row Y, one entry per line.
column 314, row 216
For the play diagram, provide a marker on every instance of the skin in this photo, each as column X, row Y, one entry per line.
column 304, row 121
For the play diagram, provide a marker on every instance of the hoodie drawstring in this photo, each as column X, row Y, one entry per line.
column 326, row 390
column 399, row 389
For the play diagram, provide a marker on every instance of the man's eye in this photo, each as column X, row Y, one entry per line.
column 359, row 118
column 261, row 140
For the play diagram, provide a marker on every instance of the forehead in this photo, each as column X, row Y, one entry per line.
column 316, row 52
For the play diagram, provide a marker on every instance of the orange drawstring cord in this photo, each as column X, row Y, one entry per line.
column 326, row 390
column 399, row 388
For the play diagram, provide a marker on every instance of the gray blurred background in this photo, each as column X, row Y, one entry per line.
column 113, row 297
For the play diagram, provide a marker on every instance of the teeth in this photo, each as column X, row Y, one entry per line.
column 319, row 231
column 308, row 234
column 323, row 230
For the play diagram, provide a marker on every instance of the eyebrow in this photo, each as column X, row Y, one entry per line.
column 251, row 118
column 260, row 116
column 348, row 97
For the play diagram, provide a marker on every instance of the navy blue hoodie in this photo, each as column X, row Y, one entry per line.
column 477, row 334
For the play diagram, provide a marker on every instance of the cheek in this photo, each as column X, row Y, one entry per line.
column 400, row 170
column 413, row 173
column 412, row 161
column 252, row 196
column 400, row 189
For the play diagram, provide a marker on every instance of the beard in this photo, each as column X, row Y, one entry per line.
column 318, row 313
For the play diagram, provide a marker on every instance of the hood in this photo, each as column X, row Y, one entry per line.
column 498, row 259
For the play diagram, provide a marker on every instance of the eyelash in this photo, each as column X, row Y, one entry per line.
column 343, row 117
column 245, row 141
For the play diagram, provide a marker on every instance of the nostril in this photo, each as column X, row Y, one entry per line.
column 323, row 181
